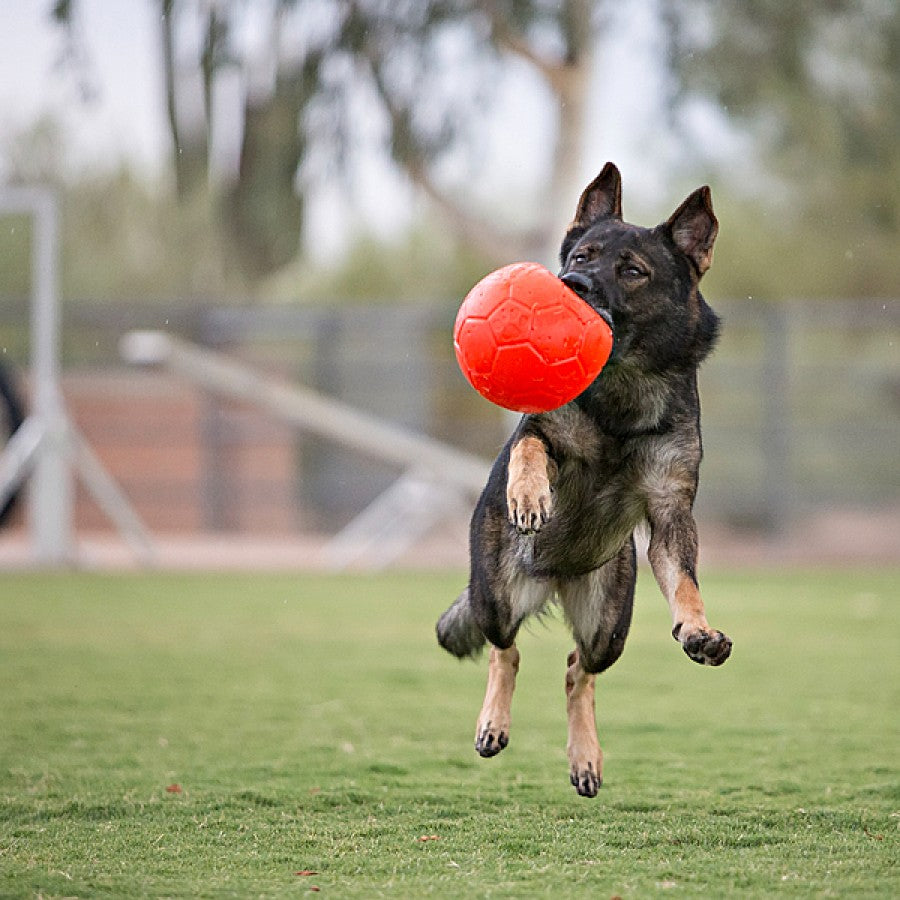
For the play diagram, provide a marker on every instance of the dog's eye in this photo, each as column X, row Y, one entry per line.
column 632, row 271
column 580, row 258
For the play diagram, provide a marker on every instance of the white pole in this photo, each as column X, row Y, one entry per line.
column 51, row 488
column 308, row 409
column 48, row 445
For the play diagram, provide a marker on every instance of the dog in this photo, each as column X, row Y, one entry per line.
column 557, row 517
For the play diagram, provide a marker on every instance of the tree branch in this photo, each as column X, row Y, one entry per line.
column 576, row 26
column 472, row 229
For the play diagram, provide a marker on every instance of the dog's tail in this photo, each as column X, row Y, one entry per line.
column 457, row 631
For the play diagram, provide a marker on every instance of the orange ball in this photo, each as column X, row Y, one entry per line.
column 528, row 342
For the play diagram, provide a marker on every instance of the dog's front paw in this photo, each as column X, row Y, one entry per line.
column 705, row 646
column 529, row 503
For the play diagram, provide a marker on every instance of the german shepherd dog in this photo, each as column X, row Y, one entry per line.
column 557, row 517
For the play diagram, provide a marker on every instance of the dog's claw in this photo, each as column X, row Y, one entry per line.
column 488, row 743
column 709, row 648
column 528, row 523
column 587, row 782
column 528, row 514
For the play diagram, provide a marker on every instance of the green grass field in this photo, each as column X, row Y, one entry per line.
column 221, row 735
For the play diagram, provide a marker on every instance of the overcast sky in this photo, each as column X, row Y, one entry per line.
column 127, row 116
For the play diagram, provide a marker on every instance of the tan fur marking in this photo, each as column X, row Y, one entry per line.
column 492, row 730
column 688, row 609
column 702, row 644
column 582, row 748
column 528, row 495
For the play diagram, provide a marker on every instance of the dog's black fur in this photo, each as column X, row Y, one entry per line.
column 557, row 516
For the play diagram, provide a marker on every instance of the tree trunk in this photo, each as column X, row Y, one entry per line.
column 570, row 84
column 189, row 144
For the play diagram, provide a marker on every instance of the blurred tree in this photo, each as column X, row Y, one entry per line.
column 430, row 117
column 813, row 81
column 428, row 68
column 36, row 154
column 816, row 82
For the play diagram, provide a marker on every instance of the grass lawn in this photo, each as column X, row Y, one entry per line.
column 222, row 735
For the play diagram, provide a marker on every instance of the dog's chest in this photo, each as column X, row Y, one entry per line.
column 598, row 503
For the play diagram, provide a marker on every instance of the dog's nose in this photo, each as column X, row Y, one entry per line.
column 579, row 283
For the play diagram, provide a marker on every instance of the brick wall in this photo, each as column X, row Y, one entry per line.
column 151, row 433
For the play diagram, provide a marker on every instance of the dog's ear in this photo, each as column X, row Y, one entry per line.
column 693, row 227
column 601, row 199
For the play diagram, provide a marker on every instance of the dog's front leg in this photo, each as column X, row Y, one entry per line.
column 492, row 730
column 583, row 748
column 529, row 498
column 673, row 558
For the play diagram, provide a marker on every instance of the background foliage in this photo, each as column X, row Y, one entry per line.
column 807, row 194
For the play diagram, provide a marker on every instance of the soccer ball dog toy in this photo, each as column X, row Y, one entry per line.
column 528, row 342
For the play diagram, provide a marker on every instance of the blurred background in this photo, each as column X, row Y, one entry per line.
column 310, row 187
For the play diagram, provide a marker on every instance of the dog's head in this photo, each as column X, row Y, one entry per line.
column 644, row 280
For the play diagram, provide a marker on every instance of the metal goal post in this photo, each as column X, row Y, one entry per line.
column 47, row 447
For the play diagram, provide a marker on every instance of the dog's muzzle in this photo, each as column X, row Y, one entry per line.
column 579, row 283
column 584, row 287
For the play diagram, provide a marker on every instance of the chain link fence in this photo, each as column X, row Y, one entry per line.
column 801, row 409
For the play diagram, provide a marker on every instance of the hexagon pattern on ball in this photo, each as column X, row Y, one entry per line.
column 527, row 342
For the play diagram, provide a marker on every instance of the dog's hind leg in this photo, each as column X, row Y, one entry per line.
column 583, row 748
column 501, row 608
column 598, row 606
column 492, row 730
